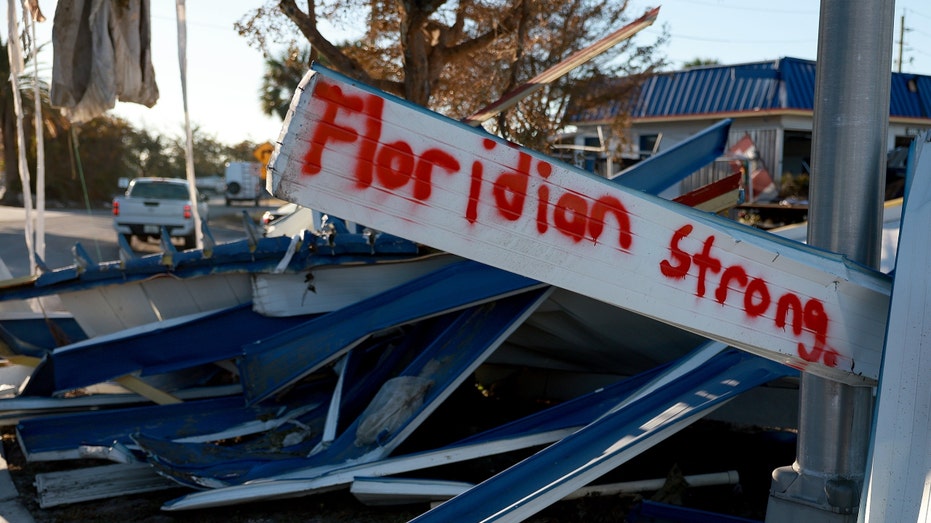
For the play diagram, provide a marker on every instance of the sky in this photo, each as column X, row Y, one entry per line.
column 224, row 72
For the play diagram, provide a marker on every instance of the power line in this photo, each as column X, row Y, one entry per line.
column 741, row 41
column 717, row 5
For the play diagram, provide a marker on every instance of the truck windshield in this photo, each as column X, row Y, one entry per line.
column 160, row 190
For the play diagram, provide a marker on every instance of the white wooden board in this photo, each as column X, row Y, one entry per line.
column 368, row 157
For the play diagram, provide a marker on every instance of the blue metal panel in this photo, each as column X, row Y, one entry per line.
column 555, row 422
column 709, row 90
column 460, row 347
column 901, row 102
column 799, row 84
column 36, row 336
column 568, row 415
column 66, row 432
column 574, row 461
column 172, row 345
column 911, row 96
column 923, row 87
column 652, row 512
column 272, row 364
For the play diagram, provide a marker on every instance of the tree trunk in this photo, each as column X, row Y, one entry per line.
column 10, row 179
column 416, row 52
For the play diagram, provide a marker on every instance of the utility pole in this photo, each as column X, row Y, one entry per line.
column 901, row 42
column 851, row 118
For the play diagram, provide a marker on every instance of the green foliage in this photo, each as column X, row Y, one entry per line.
column 210, row 155
column 109, row 148
column 95, row 154
column 52, row 122
column 281, row 77
column 700, row 62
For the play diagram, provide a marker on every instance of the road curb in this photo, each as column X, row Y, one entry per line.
column 18, row 214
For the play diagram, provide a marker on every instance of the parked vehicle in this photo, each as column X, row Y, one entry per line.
column 291, row 219
column 244, row 183
column 152, row 203
column 211, row 185
column 279, row 212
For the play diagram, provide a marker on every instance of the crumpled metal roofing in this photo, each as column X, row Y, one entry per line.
column 783, row 84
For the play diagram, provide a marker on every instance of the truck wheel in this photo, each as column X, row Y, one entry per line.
column 189, row 242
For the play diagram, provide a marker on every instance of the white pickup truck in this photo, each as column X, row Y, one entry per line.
column 152, row 203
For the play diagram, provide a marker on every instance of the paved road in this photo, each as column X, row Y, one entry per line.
column 94, row 230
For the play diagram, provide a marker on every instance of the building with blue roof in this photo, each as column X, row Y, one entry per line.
column 771, row 102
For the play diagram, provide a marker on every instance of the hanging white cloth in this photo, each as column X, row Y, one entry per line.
column 101, row 53
column 36, row 16
column 15, row 55
column 181, row 12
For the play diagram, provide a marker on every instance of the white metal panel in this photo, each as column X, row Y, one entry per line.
column 899, row 481
column 177, row 297
column 98, row 313
column 333, row 287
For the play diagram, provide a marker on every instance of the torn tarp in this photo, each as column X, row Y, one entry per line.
column 101, row 53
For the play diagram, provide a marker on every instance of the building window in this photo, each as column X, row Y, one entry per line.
column 648, row 143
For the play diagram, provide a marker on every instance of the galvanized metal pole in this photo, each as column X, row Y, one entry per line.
column 851, row 118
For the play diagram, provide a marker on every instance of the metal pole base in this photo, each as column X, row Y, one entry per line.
column 795, row 496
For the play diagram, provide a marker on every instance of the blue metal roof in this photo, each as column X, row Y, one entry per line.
column 783, row 84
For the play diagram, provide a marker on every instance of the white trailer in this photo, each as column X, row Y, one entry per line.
column 244, row 182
